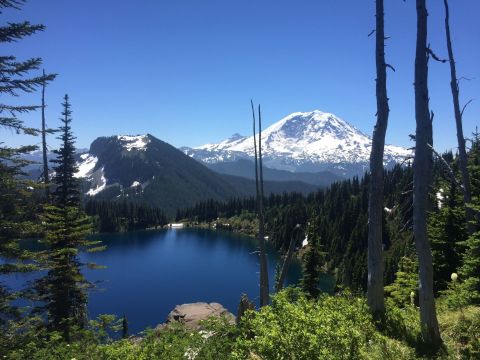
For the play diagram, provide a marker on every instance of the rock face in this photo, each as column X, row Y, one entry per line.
column 192, row 314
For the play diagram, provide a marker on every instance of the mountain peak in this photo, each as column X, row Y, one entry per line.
column 236, row 137
column 314, row 124
column 304, row 141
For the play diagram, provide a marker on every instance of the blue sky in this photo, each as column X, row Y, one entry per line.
column 185, row 70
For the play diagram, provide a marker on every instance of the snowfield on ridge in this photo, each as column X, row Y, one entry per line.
column 302, row 141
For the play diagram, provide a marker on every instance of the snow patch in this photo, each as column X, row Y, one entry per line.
column 86, row 166
column 305, row 242
column 101, row 185
column 303, row 137
column 440, row 198
column 130, row 143
column 135, row 184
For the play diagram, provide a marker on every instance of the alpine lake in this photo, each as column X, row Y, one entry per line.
column 147, row 273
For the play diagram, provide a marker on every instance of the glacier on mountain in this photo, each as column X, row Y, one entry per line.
column 302, row 141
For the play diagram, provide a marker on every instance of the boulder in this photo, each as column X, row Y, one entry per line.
column 192, row 314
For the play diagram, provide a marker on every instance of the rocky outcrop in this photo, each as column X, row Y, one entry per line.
column 192, row 314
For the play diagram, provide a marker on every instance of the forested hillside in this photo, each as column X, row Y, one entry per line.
column 341, row 216
column 400, row 243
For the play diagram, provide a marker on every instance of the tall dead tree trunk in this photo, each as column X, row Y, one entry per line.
column 46, row 178
column 422, row 179
column 264, row 290
column 288, row 258
column 375, row 292
column 462, row 153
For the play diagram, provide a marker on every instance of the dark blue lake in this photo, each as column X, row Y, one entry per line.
column 149, row 272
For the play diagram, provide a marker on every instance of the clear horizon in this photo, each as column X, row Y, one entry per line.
column 185, row 72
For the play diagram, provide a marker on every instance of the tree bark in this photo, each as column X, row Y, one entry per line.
column 375, row 292
column 288, row 259
column 46, row 178
column 462, row 153
column 264, row 289
column 422, row 179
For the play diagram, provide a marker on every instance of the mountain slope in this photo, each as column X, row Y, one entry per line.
column 246, row 168
column 145, row 169
column 303, row 141
column 150, row 171
column 246, row 187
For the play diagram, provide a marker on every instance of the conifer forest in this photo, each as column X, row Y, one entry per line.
column 307, row 238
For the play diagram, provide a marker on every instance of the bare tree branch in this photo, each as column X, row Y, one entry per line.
column 448, row 167
column 465, row 106
column 434, row 56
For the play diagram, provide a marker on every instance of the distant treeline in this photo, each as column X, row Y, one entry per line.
column 111, row 216
column 209, row 210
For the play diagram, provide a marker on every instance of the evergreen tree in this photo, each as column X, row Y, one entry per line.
column 447, row 230
column 67, row 192
column 470, row 270
column 17, row 220
column 312, row 260
column 63, row 289
column 17, row 211
column 406, row 282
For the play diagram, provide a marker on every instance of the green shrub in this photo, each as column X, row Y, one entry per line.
column 457, row 295
column 402, row 323
column 385, row 348
column 333, row 327
column 461, row 332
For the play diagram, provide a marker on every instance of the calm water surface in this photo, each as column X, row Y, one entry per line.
column 149, row 272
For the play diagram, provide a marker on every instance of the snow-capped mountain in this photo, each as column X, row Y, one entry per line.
column 88, row 167
column 303, row 141
column 145, row 169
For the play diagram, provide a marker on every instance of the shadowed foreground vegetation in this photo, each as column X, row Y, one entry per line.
column 292, row 327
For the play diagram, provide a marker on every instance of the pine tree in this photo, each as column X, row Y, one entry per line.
column 67, row 191
column 470, row 270
column 17, row 220
column 312, row 261
column 64, row 288
column 17, row 211
column 406, row 282
column 447, row 231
